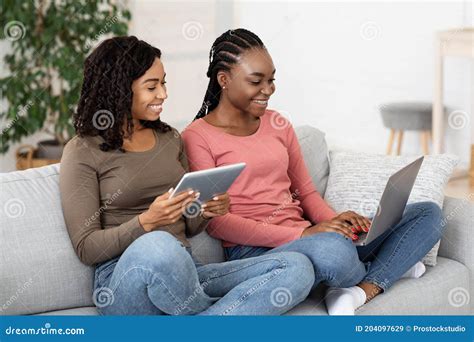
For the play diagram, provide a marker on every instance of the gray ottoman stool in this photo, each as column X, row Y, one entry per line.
column 407, row 116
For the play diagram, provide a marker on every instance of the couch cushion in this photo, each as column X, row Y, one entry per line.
column 84, row 311
column 206, row 249
column 435, row 293
column 315, row 154
column 39, row 270
column 440, row 291
column 357, row 181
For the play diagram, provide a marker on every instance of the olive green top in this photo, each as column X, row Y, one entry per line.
column 102, row 193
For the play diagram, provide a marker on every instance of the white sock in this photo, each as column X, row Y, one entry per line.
column 416, row 271
column 344, row 301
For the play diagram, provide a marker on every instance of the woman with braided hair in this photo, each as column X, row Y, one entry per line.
column 274, row 204
column 114, row 181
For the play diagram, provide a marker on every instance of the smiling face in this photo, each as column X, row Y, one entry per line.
column 250, row 83
column 149, row 93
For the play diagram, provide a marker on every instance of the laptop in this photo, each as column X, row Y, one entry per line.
column 393, row 202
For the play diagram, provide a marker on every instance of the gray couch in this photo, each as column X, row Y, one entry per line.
column 40, row 273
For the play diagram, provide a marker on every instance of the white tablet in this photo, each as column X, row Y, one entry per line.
column 209, row 182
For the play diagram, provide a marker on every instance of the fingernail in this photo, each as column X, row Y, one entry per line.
column 204, row 205
column 353, row 230
column 191, row 192
column 215, row 198
column 170, row 190
column 355, row 237
column 197, row 194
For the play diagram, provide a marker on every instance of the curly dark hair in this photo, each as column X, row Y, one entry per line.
column 106, row 94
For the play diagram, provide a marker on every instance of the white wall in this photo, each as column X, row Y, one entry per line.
column 336, row 61
column 184, row 31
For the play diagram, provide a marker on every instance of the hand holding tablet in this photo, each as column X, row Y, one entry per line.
column 210, row 184
column 165, row 210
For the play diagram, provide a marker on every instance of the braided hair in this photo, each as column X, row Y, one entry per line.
column 106, row 94
column 224, row 53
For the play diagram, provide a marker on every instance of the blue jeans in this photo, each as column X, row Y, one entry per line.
column 157, row 275
column 338, row 262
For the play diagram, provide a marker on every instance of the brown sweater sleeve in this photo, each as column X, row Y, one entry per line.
column 198, row 224
column 79, row 188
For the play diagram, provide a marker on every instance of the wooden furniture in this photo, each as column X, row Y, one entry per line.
column 25, row 158
column 459, row 43
column 471, row 171
column 407, row 116
column 425, row 137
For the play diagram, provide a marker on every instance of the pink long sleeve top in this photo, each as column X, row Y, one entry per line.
column 274, row 199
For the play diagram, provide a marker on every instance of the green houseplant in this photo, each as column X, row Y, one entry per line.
column 49, row 43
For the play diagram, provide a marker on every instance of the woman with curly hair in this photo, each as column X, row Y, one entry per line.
column 115, row 180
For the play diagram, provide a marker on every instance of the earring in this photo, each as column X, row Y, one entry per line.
column 223, row 87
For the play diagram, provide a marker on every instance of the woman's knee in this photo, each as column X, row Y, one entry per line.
column 431, row 213
column 424, row 205
column 299, row 271
column 329, row 248
column 425, row 208
column 300, row 264
column 156, row 249
column 335, row 258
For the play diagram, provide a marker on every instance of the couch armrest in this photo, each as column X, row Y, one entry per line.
column 457, row 242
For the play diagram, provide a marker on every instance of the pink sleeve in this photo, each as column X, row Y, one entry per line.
column 243, row 231
column 231, row 227
column 314, row 206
